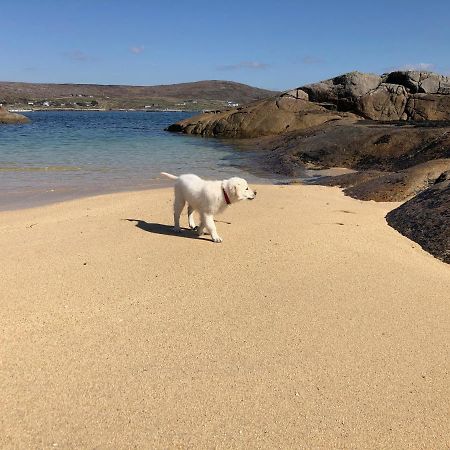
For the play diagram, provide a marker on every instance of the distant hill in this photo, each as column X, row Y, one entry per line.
column 196, row 95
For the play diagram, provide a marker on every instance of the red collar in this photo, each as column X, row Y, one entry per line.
column 227, row 199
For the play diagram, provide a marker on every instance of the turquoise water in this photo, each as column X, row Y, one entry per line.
column 62, row 155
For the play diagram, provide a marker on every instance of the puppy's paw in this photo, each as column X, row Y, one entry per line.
column 192, row 226
column 217, row 239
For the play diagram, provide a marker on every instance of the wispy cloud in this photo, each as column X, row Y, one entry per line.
column 137, row 50
column 418, row 67
column 77, row 55
column 310, row 60
column 253, row 65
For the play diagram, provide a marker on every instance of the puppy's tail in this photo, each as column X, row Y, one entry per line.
column 168, row 175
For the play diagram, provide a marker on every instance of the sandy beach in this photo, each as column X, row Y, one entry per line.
column 313, row 325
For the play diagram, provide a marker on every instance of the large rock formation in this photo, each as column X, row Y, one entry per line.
column 396, row 96
column 267, row 117
column 8, row 117
column 426, row 218
column 404, row 95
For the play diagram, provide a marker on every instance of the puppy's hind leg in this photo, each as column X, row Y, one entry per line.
column 178, row 206
column 191, row 217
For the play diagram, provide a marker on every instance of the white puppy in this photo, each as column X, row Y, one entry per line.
column 206, row 197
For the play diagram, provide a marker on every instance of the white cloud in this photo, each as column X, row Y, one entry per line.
column 419, row 67
column 309, row 59
column 254, row 65
column 77, row 55
column 137, row 50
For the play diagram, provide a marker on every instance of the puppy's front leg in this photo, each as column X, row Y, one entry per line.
column 211, row 227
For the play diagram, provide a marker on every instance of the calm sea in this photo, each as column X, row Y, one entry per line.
column 63, row 155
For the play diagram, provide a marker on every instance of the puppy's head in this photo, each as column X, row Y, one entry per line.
column 239, row 190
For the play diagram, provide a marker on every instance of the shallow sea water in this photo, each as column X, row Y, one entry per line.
column 63, row 155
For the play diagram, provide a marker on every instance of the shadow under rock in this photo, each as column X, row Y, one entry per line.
column 159, row 228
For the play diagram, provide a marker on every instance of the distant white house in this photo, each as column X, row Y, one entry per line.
column 31, row 103
column 46, row 104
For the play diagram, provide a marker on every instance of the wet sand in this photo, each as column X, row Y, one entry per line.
column 313, row 325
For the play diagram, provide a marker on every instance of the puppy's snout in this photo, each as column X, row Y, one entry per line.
column 254, row 192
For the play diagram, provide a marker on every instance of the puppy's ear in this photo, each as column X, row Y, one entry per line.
column 233, row 189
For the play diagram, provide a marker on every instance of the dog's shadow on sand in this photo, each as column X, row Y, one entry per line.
column 159, row 228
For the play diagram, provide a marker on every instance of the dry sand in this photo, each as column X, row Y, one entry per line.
column 314, row 325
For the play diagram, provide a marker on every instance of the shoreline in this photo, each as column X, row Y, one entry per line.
column 314, row 324
column 22, row 206
column 311, row 177
column 24, row 203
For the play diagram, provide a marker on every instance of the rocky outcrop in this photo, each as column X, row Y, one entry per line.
column 359, row 145
column 426, row 218
column 267, row 117
column 343, row 91
column 396, row 96
column 390, row 186
column 7, row 117
column 404, row 95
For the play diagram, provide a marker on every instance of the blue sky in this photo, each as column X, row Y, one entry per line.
column 269, row 44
